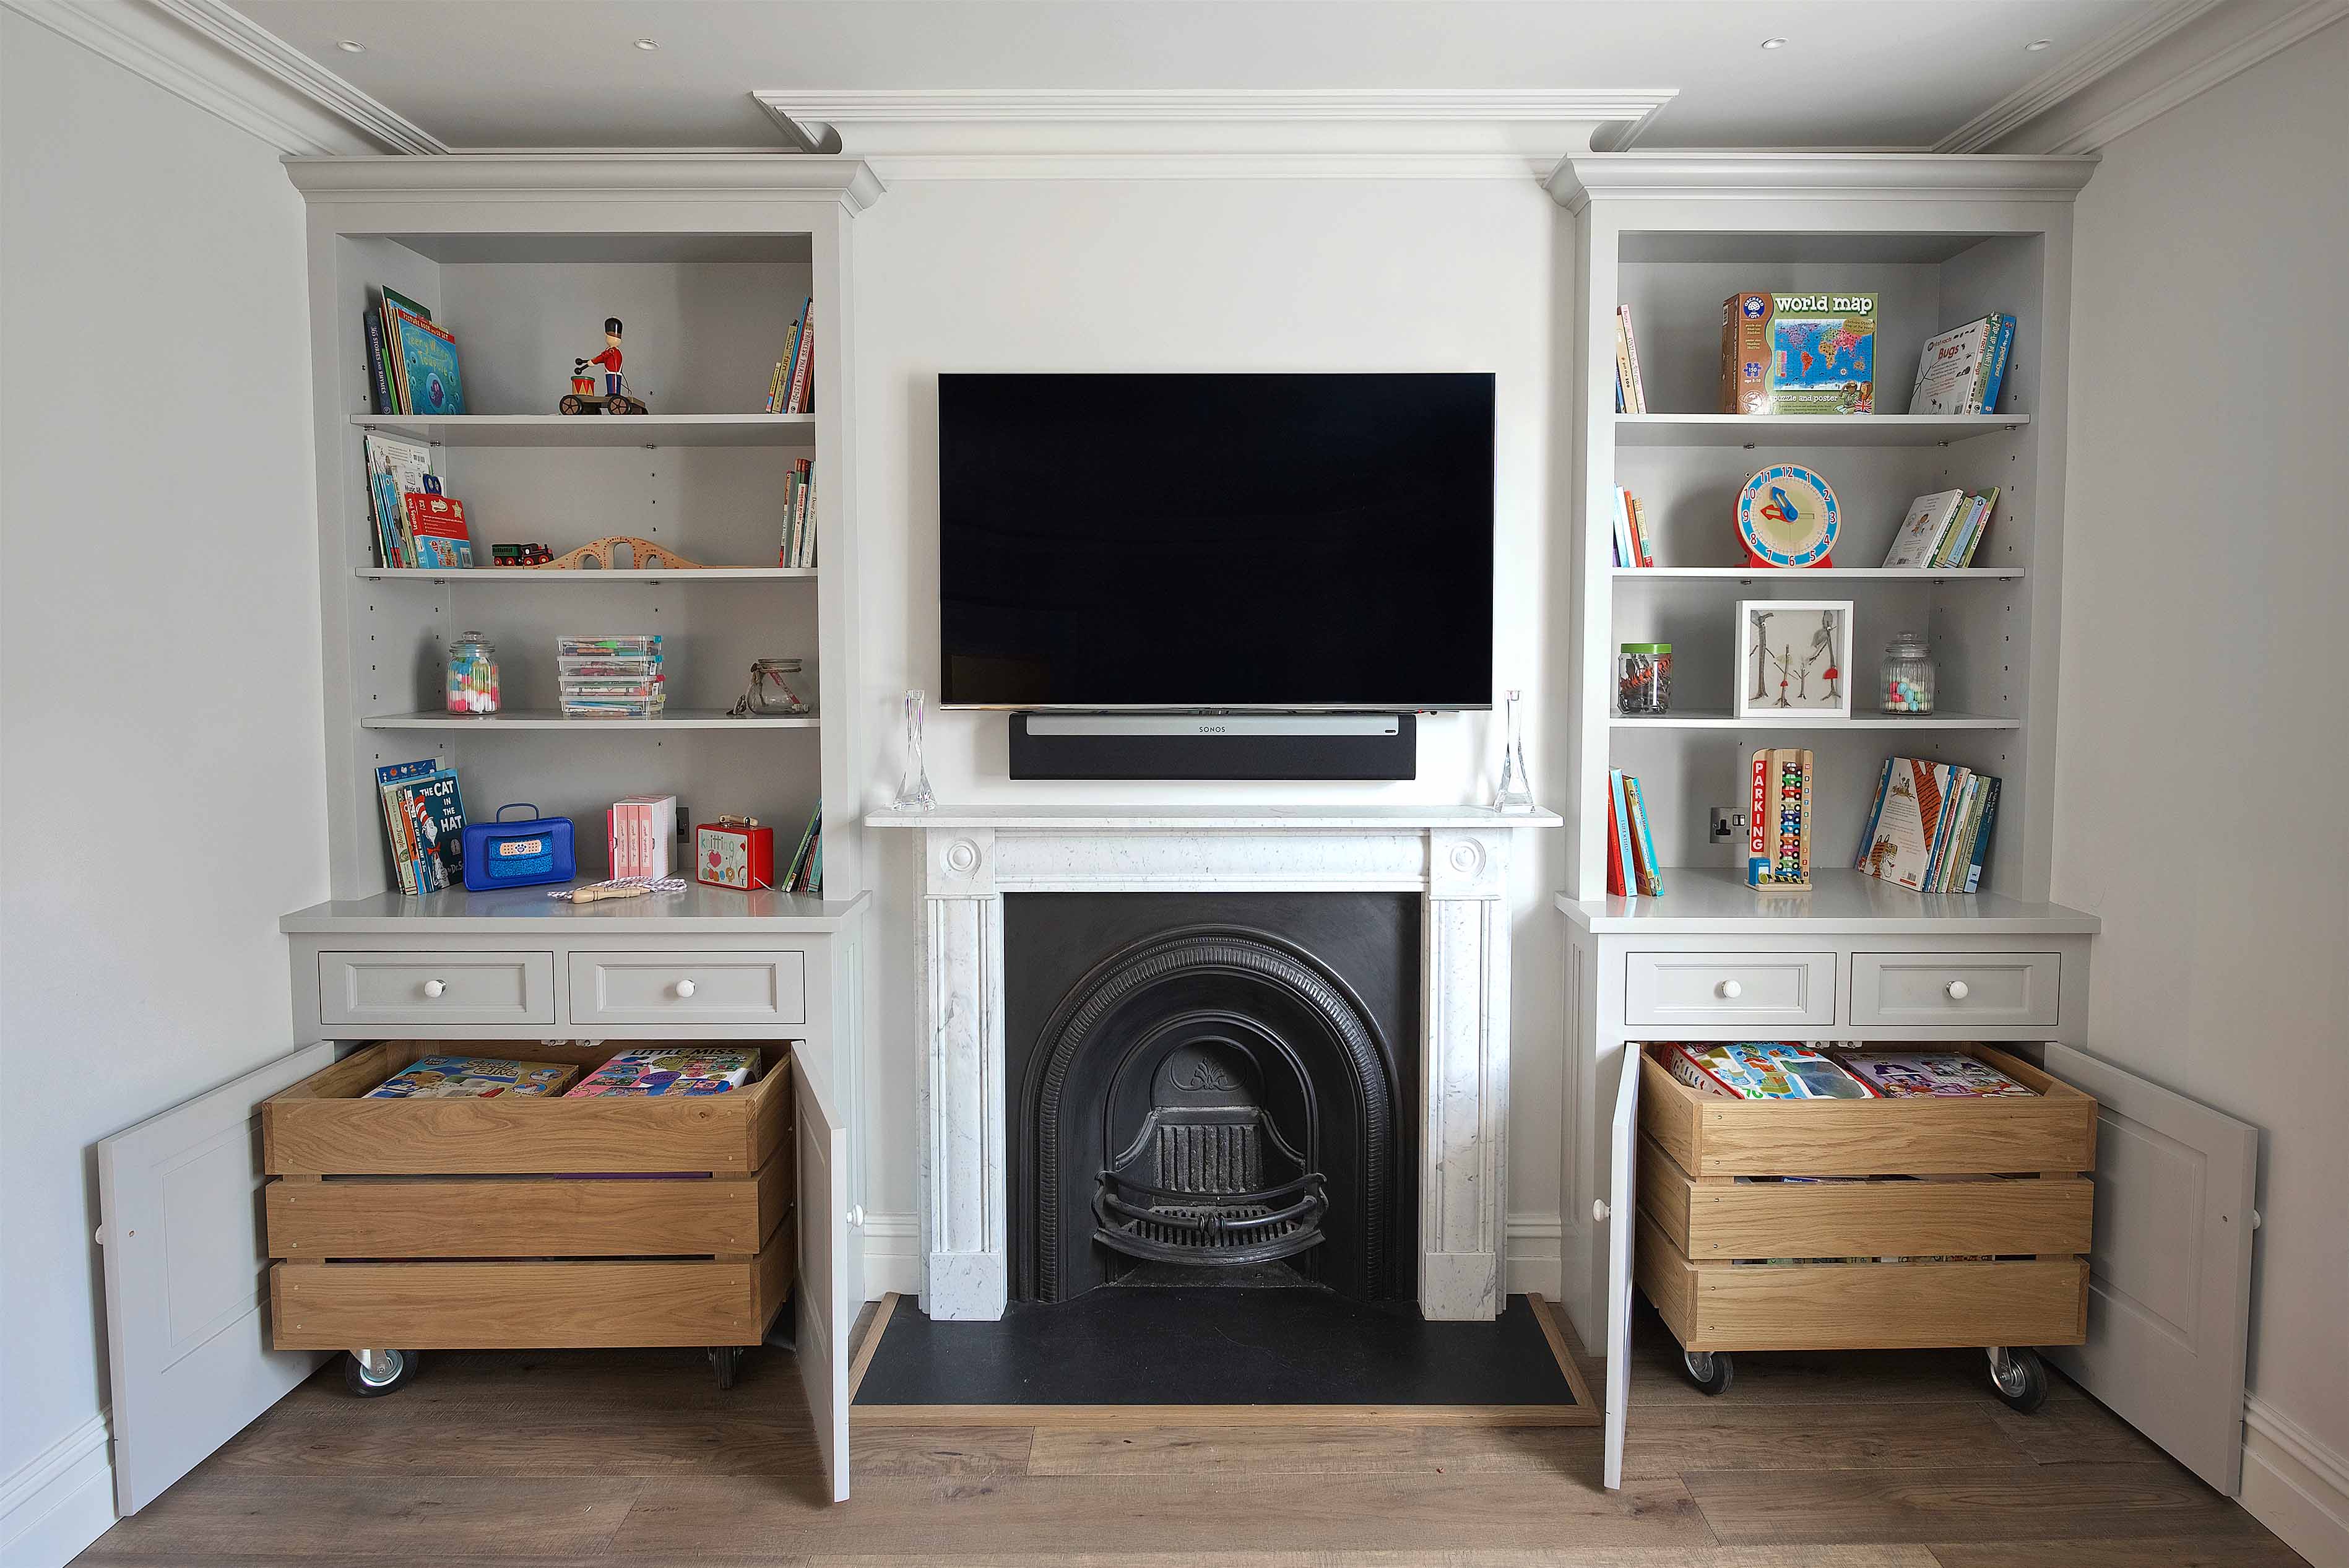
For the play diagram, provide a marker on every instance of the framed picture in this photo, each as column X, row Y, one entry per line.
column 1794, row 658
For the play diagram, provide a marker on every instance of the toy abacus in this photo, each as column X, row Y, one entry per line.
column 1778, row 835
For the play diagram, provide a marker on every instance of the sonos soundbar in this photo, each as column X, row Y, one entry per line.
column 1215, row 745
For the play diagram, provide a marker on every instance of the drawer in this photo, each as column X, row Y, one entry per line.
column 313, row 1221
column 1966, row 990
column 389, row 988
column 689, row 988
column 2052, row 1130
column 1762, row 990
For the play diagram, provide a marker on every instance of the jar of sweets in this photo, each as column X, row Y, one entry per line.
column 472, row 675
column 1908, row 685
column 1643, row 679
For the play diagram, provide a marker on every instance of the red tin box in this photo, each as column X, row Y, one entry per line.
column 734, row 851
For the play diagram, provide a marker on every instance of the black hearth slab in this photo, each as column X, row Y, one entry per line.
column 1185, row 1345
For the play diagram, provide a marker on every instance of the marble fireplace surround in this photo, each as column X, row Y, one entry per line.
column 1457, row 858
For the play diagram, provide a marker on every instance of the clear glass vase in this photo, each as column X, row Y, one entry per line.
column 915, row 794
column 1516, row 793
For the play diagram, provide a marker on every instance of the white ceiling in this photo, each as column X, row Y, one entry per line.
column 566, row 73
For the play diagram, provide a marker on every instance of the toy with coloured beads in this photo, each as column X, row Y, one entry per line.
column 1778, row 843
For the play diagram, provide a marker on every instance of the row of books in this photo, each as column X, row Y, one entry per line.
column 411, row 363
column 1943, row 529
column 424, row 822
column 1631, row 868
column 1962, row 371
column 1634, row 545
column 1931, row 826
column 1792, row 1070
column 641, row 832
column 1631, row 391
column 643, row 1071
column 806, row 873
column 415, row 523
column 798, row 546
column 792, row 389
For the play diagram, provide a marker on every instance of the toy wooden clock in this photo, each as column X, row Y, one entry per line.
column 1787, row 517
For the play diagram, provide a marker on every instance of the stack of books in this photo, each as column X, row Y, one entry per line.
column 411, row 363
column 792, row 389
column 1631, row 391
column 1942, row 530
column 642, row 831
column 806, row 874
column 1633, row 546
column 1631, row 868
column 1962, row 371
column 671, row 1069
column 798, row 546
column 424, row 822
column 1931, row 826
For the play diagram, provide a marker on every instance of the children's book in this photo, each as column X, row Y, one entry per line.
column 671, row 1069
column 437, row 525
column 1905, row 822
column 439, row 814
column 1965, row 552
column 1643, row 841
column 427, row 358
column 472, row 1077
column 398, row 829
column 801, row 399
column 395, row 468
column 1959, row 370
column 1762, row 1069
column 1922, row 531
column 1981, row 853
column 803, row 859
column 1621, row 869
column 1637, row 385
column 1901, row 1075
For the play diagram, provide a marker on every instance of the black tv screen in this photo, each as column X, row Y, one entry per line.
column 1276, row 541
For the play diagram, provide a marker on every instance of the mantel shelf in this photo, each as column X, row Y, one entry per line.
column 553, row 719
column 1811, row 430
column 1717, row 719
column 1715, row 900
column 1815, row 573
column 1015, row 816
column 598, row 430
column 508, row 577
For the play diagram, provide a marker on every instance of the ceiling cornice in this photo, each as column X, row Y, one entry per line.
column 646, row 176
column 1786, row 176
column 207, row 54
column 2094, row 124
column 2074, row 74
column 1332, row 133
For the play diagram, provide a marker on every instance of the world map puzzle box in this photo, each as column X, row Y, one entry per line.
column 1799, row 354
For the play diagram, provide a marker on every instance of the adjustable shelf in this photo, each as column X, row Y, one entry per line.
column 1721, row 719
column 516, row 576
column 1822, row 573
column 598, row 430
column 554, row 719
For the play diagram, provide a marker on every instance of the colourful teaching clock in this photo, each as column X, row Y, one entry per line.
column 1786, row 515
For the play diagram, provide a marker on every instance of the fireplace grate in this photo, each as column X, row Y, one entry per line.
column 1191, row 1227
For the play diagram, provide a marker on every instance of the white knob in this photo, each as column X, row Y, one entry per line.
column 434, row 988
column 1598, row 1210
column 1730, row 989
column 685, row 988
column 857, row 1215
column 1957, row 990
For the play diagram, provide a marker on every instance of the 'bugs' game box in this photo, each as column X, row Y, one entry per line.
column 1799, row 354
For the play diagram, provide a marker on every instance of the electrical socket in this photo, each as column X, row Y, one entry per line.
column 1726, row 824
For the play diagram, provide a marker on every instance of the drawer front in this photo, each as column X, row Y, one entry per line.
column 1966, row 990
column 1744, row 990
column 487, row 1216
column 689, row 988
column 391, row 989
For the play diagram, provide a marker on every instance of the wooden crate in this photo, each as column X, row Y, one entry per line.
column 526, row 1223
column 1986, row 1259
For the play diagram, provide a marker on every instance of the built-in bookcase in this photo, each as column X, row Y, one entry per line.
column 1940, row 241
column 708, row 261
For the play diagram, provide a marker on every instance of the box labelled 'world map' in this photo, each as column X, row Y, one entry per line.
column 1799, row 354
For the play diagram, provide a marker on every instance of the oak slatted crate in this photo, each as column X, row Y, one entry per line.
column 1986, row 1259
column 523, row 1222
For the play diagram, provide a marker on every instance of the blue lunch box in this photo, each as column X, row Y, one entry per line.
column 502, row 854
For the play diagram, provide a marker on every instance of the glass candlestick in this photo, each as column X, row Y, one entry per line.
column 1516, row 796
column 915, row 794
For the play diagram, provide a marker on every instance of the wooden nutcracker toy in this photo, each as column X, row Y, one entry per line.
column 583, row 397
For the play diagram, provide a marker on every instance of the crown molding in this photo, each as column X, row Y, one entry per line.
column 1206, row 133
column 2199, row 74
column 2072, row 76
column 205, row 54
column 645, row 176
column 1781, row 176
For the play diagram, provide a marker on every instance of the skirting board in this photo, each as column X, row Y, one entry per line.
column 893, row 1256
column 60, row 1500
column 2294, row 1486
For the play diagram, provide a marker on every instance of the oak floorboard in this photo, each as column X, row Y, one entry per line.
column 1460, row 1557
column 415, row 1519
column 1726, row 1435
column 2136, row 1552
column 1974, row 1502
column 1569, row 1453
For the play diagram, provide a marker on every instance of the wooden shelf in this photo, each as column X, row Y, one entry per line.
column 1718, row 719
column 553, row 719
column 516, row 575
column 1808, row 429
column 1829, row 574
column 598, row 430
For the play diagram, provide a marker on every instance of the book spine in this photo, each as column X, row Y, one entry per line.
column 1937, row 841
column 1875, row 815
column 1631, row 346
column 1616, row 844
column 1651, row 876
column 2002, row 344
column 1982, row 834
column 1989, row 506
column 1623, row 377
column 378, row 384
column 392, row 835
column 802, row 368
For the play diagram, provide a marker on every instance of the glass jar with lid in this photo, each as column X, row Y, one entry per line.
column 472, row 675
column 1643, row 679
column 1908, row 684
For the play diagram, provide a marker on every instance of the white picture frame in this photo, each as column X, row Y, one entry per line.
column 1794, row 658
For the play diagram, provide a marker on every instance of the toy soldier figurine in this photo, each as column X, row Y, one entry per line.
column 609, row 358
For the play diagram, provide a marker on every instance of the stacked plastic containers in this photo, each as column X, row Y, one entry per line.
column 610, row 677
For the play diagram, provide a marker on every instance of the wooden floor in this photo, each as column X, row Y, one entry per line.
column 562, row 1459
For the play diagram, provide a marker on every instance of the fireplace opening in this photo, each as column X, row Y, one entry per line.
column 1206, row 1090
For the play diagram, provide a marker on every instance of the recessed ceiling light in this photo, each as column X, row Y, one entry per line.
column 350, row 45
column 648, row 45
column 2036, row 45
column 1774, row 43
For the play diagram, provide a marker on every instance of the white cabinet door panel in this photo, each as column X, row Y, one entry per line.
column 826, row 1312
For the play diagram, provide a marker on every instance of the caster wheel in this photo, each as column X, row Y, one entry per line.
column 2019, row 1377
column 391, row 1371
column 1710, row 1370
column 725, row 1360
column 571, row 405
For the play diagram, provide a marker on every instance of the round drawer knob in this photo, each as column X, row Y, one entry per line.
column 1729, row 990
column 685, row 988
column 433, row 988
column 1598, row 1210
column 1957, row 990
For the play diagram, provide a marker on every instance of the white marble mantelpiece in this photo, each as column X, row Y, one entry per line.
column 1457, row 856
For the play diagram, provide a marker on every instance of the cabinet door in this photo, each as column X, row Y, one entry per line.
column 826, row 1312
column 2170, row 1273
column 1622, row 1209
column 187, row 1279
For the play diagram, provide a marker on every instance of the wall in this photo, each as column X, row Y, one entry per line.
column 1210, row 275
column 162, row 770
column 2203, row 635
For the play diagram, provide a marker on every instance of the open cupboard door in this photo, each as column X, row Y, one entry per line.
column 1621, row 1209
column 186, row 1281
column 825, row 1312
column 2170, row 1272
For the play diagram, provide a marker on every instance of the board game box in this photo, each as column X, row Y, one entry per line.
column 472, row 1077
column 1761, row 1070
column 672, row 1070
column 1899, row 1075
column 1799, row 354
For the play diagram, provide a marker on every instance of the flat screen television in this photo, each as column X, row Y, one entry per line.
column 1278, row 543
